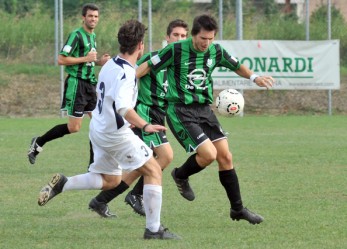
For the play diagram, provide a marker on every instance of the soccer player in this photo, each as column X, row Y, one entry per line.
column 116, row 147
column 189, row 65
column 151, row 106
column 79, row 57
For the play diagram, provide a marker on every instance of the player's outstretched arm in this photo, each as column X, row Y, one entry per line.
column 142, row 70
column 262, row 81
column 133, row 118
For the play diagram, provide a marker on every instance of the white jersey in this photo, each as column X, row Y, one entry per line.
column 116, row 89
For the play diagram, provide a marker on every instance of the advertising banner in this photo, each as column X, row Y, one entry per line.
column 306, row 65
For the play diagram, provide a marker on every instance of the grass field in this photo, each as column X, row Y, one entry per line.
column 292, row 170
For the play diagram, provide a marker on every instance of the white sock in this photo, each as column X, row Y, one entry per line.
column 152, row 198
column 85, row 181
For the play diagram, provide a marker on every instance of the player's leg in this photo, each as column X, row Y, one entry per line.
column 160, row 145
column 193, row 138
column 57, row 131
column 152, row 196
column 229, row 180
column 74, row 106
column 90, row 99
column 164, row 156
column 60, row 183
column 104, row 162
column 107, row 196
column 38, row 142
column 142, row 160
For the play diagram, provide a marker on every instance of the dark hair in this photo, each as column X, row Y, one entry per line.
column 129, row 35
column 89, row 6
column 176, row 23
column 205, row 22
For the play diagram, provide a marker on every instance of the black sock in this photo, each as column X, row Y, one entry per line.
column 230, row 182
column 190, row 167
column 138, row 188
column 106, row 196
column 56, row 132
column 91, row 153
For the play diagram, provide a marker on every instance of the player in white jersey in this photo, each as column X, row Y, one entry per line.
column 116, row 147
column 109, row 130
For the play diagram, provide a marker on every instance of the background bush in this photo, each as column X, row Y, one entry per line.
column 28, row 25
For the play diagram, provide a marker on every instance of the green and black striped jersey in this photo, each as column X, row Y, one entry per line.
column 189, row 71
column 153, row 87
column 78, row 44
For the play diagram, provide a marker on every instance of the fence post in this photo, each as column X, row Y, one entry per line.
column 329, row 38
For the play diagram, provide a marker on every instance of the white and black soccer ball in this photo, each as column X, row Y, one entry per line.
column 230, row 102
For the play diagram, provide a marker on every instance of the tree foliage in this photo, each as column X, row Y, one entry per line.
column 30, row 23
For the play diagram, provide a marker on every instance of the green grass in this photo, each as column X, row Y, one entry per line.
column 292, row 170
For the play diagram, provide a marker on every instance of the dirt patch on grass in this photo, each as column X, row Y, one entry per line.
column 24, row 96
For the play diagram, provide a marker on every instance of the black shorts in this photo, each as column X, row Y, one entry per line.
column 193, row 124
column 79, row 97
column 152, row 115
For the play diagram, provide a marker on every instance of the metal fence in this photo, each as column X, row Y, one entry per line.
column 239, row 29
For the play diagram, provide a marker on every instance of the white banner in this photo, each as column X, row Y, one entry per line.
column 293, row 64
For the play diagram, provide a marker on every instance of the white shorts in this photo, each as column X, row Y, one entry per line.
column 116, row 152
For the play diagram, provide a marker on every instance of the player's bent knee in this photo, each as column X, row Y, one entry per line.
column 225, row 160
column 110, row 182
column 165, row 162
column 74, row 129
column 208, row 158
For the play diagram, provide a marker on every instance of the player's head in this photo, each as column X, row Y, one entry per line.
column 130, row 37
column 90, row 16
column 89, row 6
column 176, row 30
column 206, row 22
column 203, row 32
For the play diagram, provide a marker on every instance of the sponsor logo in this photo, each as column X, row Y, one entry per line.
column 197, row 79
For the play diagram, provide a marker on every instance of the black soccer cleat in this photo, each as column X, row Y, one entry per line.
column 183, row 186
column 136, row 202
column 163, row 233
column 34, row 150
column 53, row 188
column 245, row 214
column 101, row 209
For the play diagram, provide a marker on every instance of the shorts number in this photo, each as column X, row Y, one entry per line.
column 146, row 151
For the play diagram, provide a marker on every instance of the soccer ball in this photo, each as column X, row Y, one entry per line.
column 230, row 102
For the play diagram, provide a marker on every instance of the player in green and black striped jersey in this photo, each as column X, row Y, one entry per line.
column 151, row 106
column 79, row 57
column 79, row 44
column 190, row 64
column 153, row 87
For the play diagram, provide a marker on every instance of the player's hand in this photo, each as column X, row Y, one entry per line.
column 150, row 128
column 264, row 81
column 104, row 58
column 92, row 56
